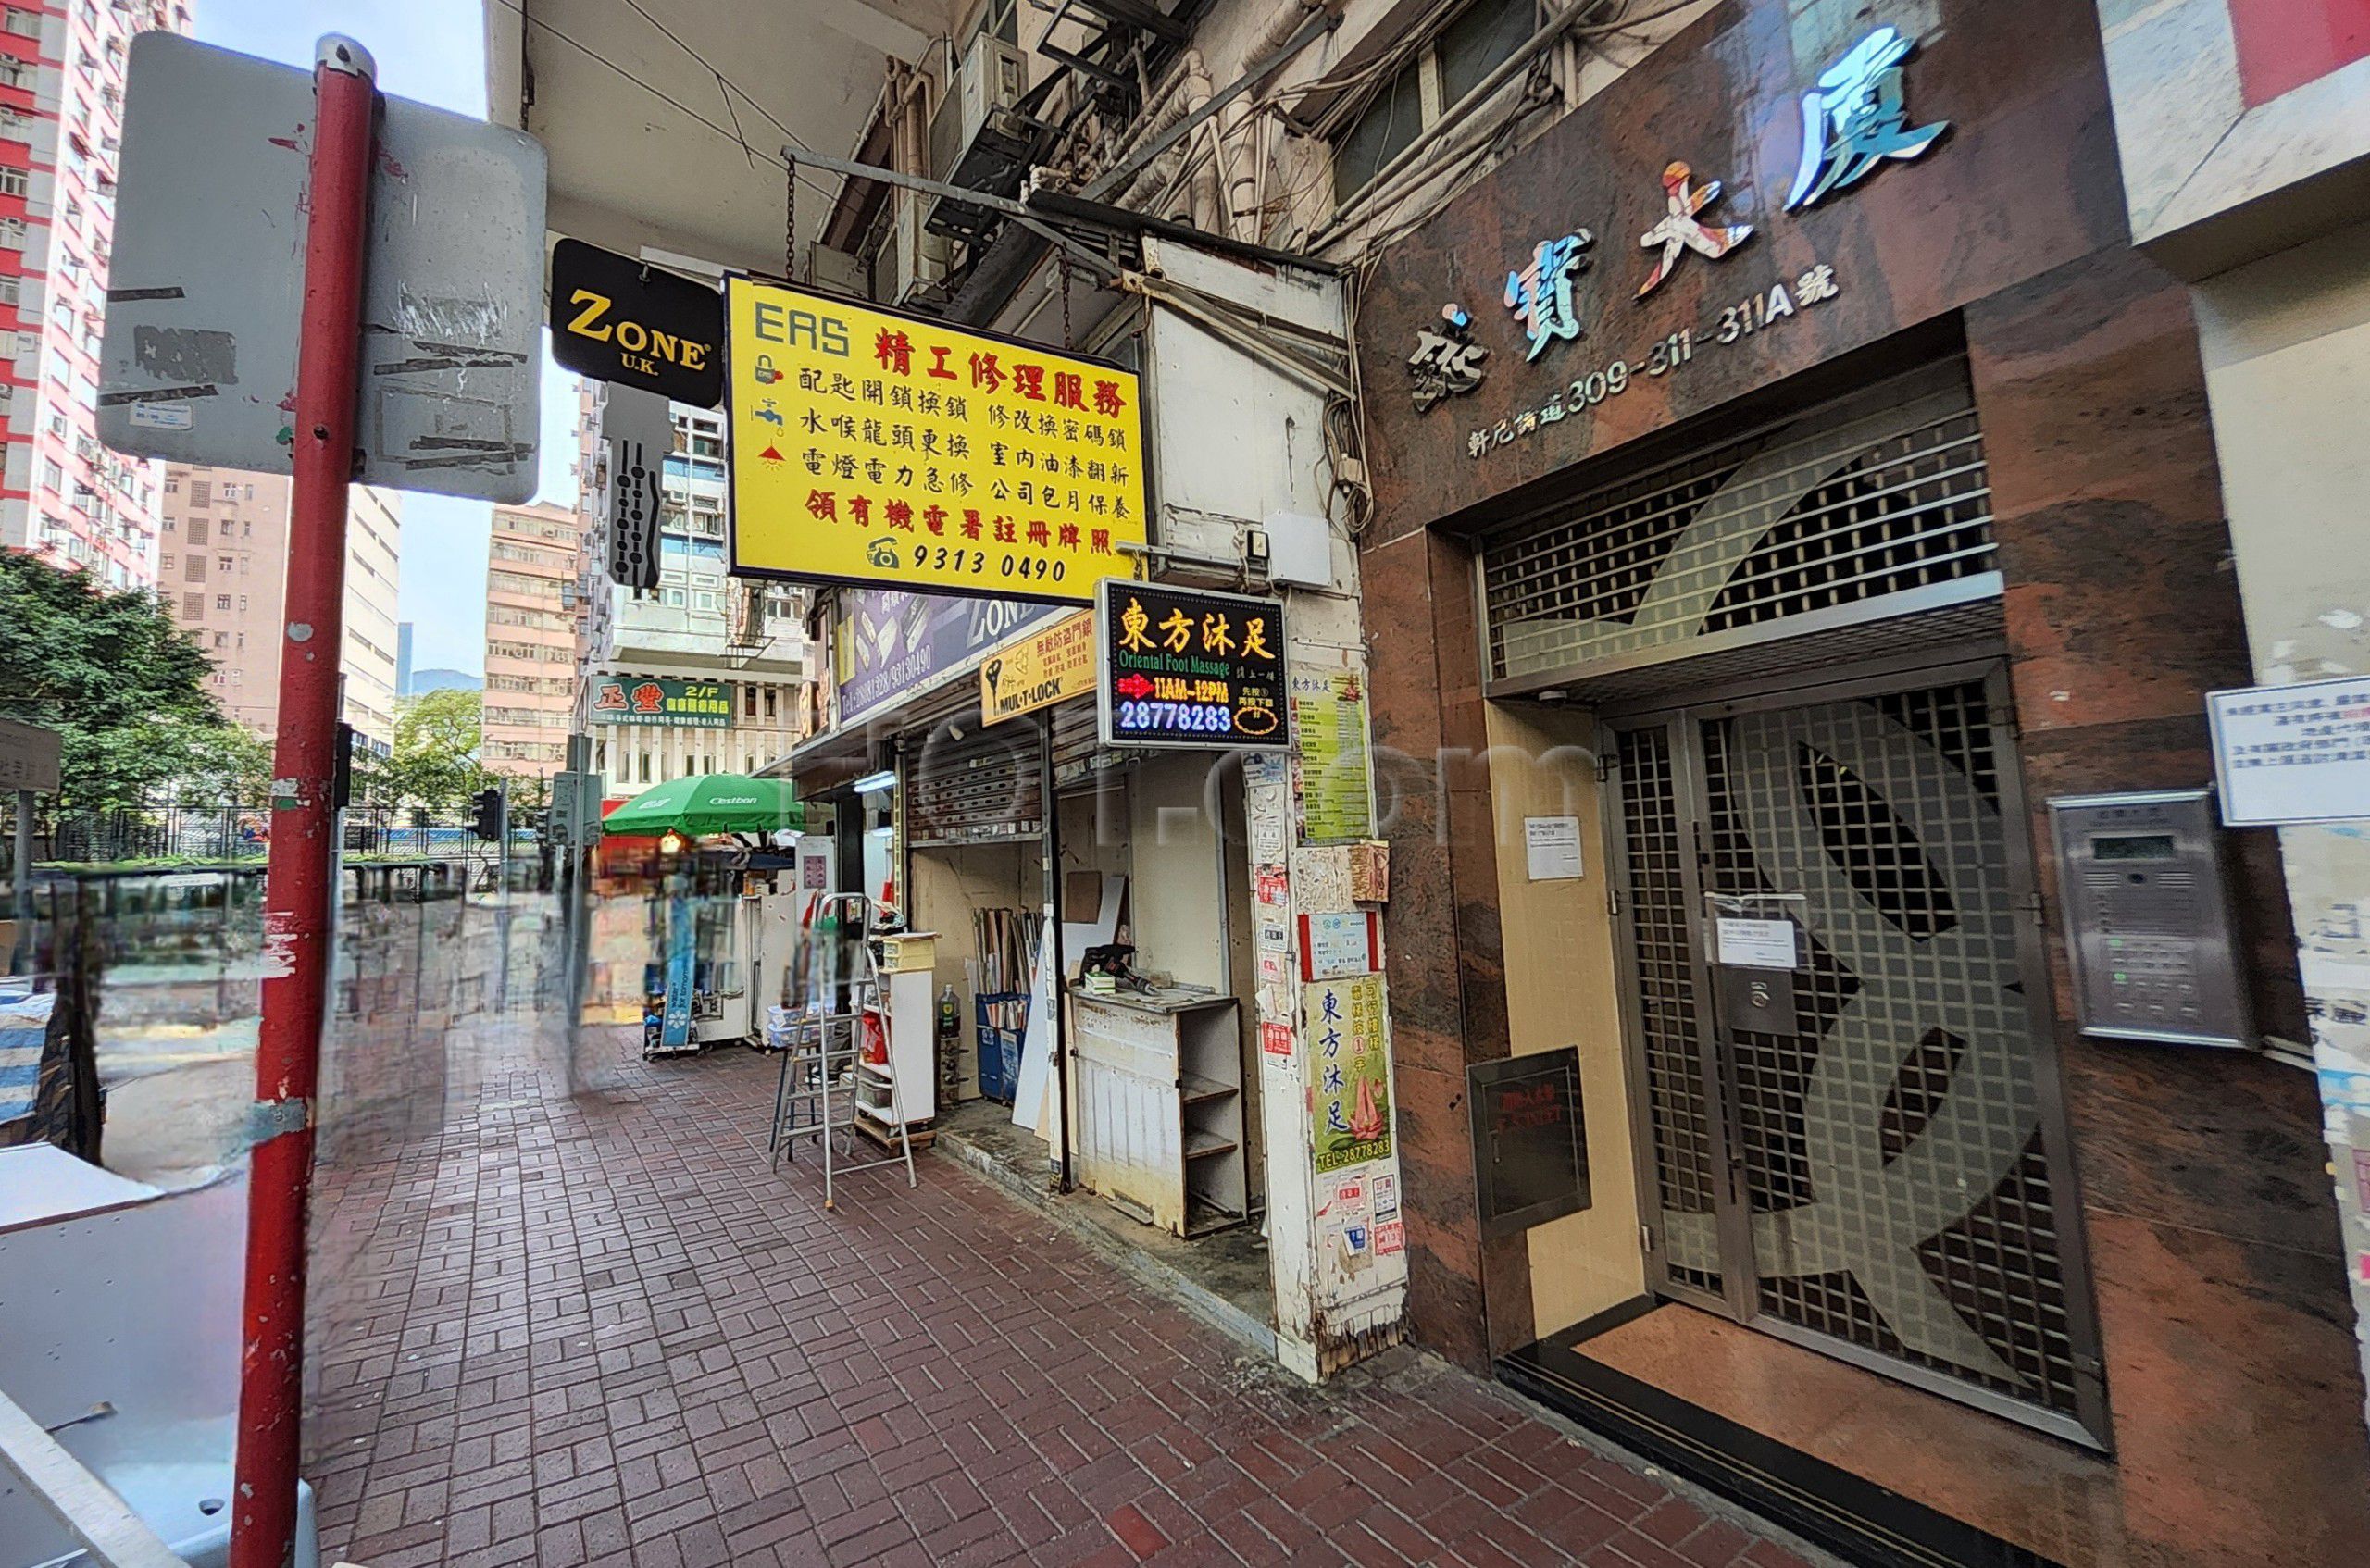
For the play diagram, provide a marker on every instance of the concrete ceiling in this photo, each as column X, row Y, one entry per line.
column 629, row 170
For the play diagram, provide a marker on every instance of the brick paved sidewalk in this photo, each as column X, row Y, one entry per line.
column 599, row 1330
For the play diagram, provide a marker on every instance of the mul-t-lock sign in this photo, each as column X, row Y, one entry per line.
column 1182, row 668
column 895, row 450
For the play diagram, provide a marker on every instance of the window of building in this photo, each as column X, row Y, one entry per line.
column 674, row 597
column 52, row 476
column 25, row 24
column 14, row 182
column 193, row 605
column 168, row 561
column 15, row 73
column 201, row 493
column 198, row 531
column 194, row 568
column 12, row 233
column 769, row 701
column 221, row 601
column 645, row 767
column 748, row 702
column 222, row 640
column 225, row 565
column 1481, row 37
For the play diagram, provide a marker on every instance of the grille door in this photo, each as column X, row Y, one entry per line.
column 1883, row 1181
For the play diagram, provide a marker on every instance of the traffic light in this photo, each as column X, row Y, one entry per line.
column 485, row 814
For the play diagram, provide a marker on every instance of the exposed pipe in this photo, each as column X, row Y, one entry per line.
column 1205, row 179
column 1391, row 174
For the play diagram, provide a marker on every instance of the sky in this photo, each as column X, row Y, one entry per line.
column 434, row 51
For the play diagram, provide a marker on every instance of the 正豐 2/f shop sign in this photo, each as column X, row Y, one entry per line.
column 873, row 447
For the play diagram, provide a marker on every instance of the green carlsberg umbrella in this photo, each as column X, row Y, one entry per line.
column 709, row 802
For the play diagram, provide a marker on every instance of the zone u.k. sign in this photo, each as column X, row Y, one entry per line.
column 880, row 448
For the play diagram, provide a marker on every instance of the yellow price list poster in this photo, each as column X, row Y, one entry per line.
column 890, row 449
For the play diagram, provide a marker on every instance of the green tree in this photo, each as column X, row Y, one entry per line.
column 435, row 763
column 124, row 688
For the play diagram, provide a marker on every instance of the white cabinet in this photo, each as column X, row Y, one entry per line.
column 1159, row 1107
column 905, row 1090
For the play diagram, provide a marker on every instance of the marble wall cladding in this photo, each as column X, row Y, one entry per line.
column 2212, row 1242
column 2025, row 179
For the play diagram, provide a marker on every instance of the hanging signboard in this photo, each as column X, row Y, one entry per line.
column 2293, row 753
column 880, row 448
column 663, row 701
column 1181, row 668
column 615, row 318
column 1039, row 670
column 888, row 645
column 640, row 434
column 205, row 285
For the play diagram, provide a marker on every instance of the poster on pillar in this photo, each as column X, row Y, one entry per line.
column 1349, row 1053
column 1334, row 780
column 872, row 447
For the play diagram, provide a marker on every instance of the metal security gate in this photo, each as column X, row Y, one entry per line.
column 1872, row 1163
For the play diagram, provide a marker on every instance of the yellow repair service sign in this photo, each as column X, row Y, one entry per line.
column 869, row 447
column 1038, row 669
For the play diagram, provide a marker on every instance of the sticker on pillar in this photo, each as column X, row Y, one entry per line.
column 1270, row 886
column 1263, row 770
column 1342, row 1197
column 1351, row 1244
column 1268, row 835
column 1390, row 1237
column 1386, row 1196
column 1275, row 968
column 1335, row 944
column 1350, row 1071
column 1276, row 1039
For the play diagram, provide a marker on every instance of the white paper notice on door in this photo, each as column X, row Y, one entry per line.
column 1757, row 944
column 1553, row 843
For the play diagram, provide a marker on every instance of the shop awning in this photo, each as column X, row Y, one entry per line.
column 705, row 803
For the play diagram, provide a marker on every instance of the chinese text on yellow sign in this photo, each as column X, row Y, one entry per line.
column 1038, row 669
column 880, row 448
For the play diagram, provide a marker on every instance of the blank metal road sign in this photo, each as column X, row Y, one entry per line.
column 207, row 280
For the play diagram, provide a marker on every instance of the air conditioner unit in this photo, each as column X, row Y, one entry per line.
column 918, row 257
column 991, row 76
column 834, row 270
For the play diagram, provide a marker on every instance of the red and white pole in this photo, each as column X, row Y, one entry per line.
column 296, row 889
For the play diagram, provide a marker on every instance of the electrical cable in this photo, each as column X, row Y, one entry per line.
column 723, row 81
column 668, row 99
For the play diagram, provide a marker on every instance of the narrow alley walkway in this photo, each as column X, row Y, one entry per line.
column 598, row 1330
